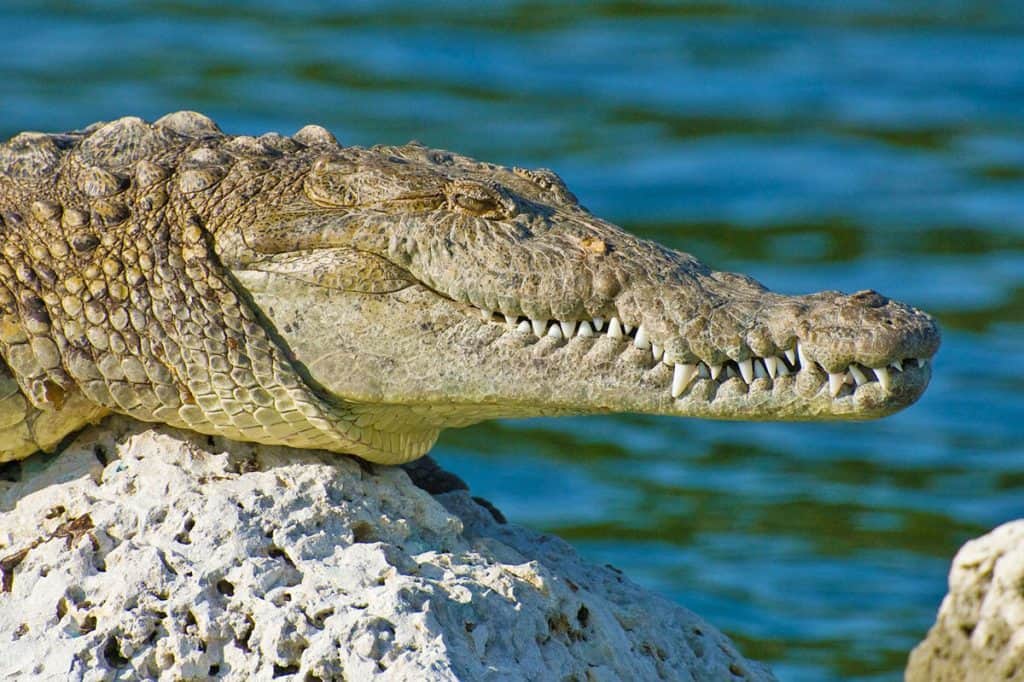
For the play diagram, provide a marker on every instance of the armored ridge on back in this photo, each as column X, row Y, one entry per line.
column 297, row 292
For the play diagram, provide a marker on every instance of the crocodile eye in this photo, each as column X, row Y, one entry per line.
column 480, row 200
column 478, row 205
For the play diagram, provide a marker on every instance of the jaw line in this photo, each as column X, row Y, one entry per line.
column 752, row 392
column 623, row 371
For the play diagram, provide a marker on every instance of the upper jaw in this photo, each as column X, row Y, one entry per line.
column 556, row 323
column 701, row 330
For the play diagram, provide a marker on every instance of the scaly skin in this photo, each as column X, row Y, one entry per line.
column 293, row 291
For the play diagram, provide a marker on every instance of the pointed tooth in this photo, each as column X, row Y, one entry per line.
column 746, row 369
column 642, row 341
column 835, row 382
column 598, row 323
column 782, row 367
column 896, row 365
column 585, row 329
column 486, row 315
column 921, row 362
column 771, row 365
column 538, row 327
column 615, row 328
column 568, row 328
column 524, row 327
column 555, row 331
column 883, row 377
column 791, row 356
column 759, row 371
column 657, row 352
column 682, row 375
column 858, row 376
column 702, row 371
column 716, row 370
column 805, row 362
column 510, row 320
column 627, row 328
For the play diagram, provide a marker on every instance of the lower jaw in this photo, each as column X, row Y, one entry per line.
column 801, row 397
column 788, row 399
column 610, row 378
column 789, row 383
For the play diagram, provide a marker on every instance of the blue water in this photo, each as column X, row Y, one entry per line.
column 850, row 145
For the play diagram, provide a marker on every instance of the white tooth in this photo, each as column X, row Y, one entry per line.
column 568, row 329
column 615, row 328
column 896, row 365
column 835, row 382
column 771, row 365
column 585, row 329
column 759, row 371
column 805, row 362
column 702, row 371
column 486, row 315
column 657, row 352
column 883, row 377
column 510, row 320
column 598, row 323
column 555, row 331
column 791, row 356
column 538, row 327
column 922, row 362
column 642, row 341
column 746, row 369
column 858, row 375
column 682, row 375
column 780, row 364
column 628, row 328
column 524, row 327
column 715, row 370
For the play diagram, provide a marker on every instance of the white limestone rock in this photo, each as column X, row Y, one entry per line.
column 145, row 552
column 978, row 635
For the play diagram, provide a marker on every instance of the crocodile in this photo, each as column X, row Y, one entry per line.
column 295, row 291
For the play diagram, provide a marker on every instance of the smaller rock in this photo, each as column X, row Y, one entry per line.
column 979, row 633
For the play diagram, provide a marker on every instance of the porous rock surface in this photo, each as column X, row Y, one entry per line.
column 978, row 635
column 146, row 552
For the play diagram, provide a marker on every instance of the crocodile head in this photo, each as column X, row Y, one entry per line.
column 423, row 288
